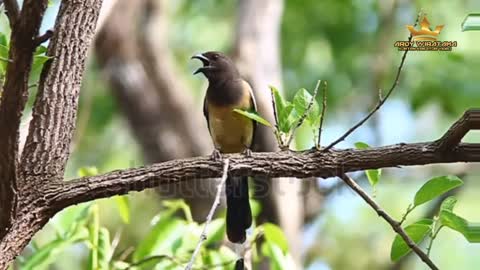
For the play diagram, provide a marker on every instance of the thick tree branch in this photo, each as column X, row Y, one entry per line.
column 13, row 99
column 313, row 163
column 47, row 147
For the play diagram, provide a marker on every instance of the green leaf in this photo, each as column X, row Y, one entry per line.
column 471, row 22
column 94, row 228
column 215, row 231
column 416, row 231
column 161, row 238
column 471, row 231
column 448, row 204
column 254, row 116
column 436, row 187
column 285, row 111
column 87, row 171
column 374, row 174
column 3, row 59
column 104, row 249
column 301, row 100
column 4, row 39
column 278, row 259
column 179, row 204
column 69, row 221
column 256, row 208
column 275, row 235
column 123, row 207
column 47, row 254
column 217, row 257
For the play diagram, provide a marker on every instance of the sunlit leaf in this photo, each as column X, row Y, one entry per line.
column 254, row 116
column 471, row 231
column 448, row 204
column 180, row 204
column 47, row 254
column 274, row 234
column 416, row 231
column 104, row 248
column 285, row 111
column 215, row 231
column 161, row 237
column 256, row 207
column 94, row 231
column 436, row 187
column 278, row 259
column 471, row 22
column 301, row 101
column 123, row 206
column 87, row 171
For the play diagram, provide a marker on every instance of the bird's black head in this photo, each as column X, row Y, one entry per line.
column 216, row 65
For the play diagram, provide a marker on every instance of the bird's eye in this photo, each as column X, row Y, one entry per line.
column 215, row 56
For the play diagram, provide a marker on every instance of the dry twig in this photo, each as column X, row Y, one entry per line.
column 381, row 100
column 393, row 223
column 215, row 204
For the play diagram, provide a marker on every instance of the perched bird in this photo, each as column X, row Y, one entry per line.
column 231, row 132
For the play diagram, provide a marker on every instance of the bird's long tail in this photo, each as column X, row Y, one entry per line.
column 239, row 214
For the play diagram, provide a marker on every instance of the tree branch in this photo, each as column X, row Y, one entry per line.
column 13, row 99
column 393, row 223
column 54, row 113
column 47, row 148
column 312, row 163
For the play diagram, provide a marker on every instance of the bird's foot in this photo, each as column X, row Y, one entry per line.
column 247, row 152
column 216, row 156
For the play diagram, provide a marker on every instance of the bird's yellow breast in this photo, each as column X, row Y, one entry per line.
column 231, row 132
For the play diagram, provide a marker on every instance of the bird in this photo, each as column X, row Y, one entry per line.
column 230, row 131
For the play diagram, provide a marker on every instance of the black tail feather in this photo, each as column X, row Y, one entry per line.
column 239, row 214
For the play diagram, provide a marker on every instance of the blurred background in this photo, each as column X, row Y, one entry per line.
column 140, row 104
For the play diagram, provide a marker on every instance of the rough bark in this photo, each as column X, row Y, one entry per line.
column 13, row 99
column 47, row 147
column 312, row 163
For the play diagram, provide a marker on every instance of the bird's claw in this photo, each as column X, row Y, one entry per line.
column 247, row 152
column 216, row 156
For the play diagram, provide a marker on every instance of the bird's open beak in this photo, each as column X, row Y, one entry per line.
column 205, row 61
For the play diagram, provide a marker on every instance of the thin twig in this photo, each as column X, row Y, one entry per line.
column 322, row 115
column 275, row 118
column 274, row 107
column 381, row 101
column 215, row 204
column 393, row 223
column 305, row 113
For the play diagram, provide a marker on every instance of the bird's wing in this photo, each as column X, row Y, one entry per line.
column 205, row 113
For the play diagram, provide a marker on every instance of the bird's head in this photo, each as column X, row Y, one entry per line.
column 216, row 65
